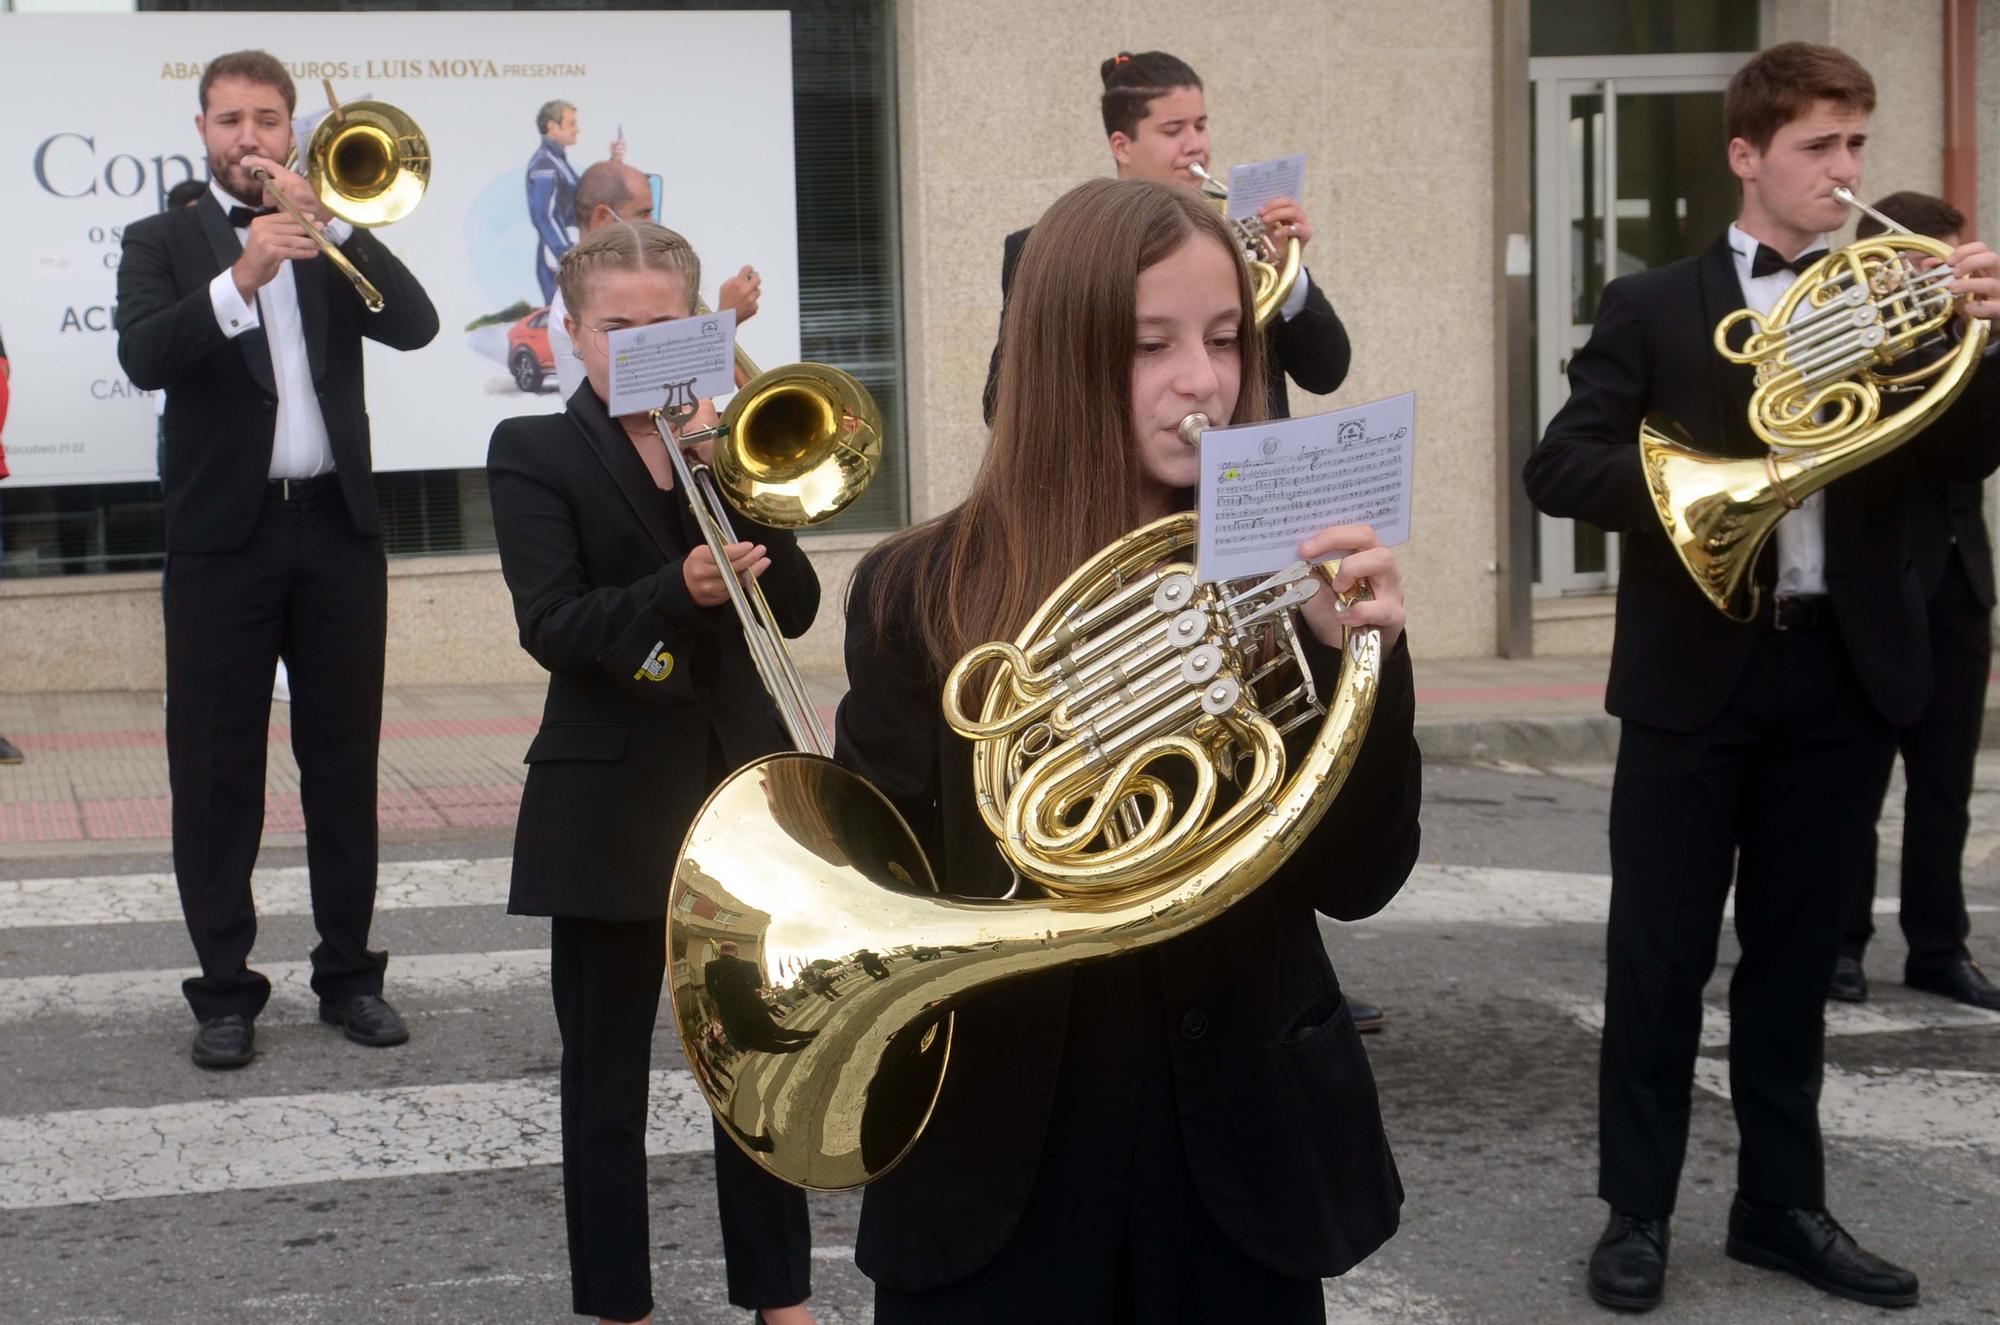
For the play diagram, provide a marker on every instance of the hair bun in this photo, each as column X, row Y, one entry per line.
column 1110, row 66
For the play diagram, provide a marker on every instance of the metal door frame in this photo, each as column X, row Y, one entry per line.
column 1553, row 80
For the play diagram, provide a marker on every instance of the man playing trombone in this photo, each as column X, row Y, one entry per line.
column 274, row 543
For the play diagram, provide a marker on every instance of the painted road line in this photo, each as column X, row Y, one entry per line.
column 425, row 982
column 1924, row 1108
column 1483, row 895
column 88, row 1155
column 1843, row 1020
column 120, row 899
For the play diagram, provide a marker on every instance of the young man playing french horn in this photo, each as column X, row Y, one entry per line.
column 1747, row 750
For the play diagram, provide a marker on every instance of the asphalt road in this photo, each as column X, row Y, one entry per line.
column 332, row 1183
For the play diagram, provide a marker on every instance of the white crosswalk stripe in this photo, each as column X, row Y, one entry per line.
column 1925, row 1108
column 287, row 1140
column 175, row 1146
column 143, row 995
column 1482, row 895
column 123, row 899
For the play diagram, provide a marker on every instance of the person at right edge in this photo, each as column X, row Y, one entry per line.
column 1155, row 115
column 1954, row 559
column 1746, row 748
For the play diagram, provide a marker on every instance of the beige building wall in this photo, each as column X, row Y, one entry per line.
column 1389, row 102
column 1902, row 44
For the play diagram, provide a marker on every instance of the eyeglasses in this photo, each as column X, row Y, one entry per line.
column 605, row 332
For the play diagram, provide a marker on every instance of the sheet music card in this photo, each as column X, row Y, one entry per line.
column 1253, row 185
column 1265, row 487
column 689, row 354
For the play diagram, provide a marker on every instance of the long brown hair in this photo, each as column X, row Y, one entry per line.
column 1060, row 478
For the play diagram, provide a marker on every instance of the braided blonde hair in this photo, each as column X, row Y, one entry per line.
column 627, row 246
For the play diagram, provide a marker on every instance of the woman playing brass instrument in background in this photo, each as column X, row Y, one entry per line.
column 652, row 699
column 1189, row 1132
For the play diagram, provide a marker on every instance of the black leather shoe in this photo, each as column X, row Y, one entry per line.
column 1812, row 1245
column 1628, row 1271
column 1368, row 1018
column 1959, row 978
column 366, row 1018
column 10, row 753
column 1849, row 983
column 224, row 1042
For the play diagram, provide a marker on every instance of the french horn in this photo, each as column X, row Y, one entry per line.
column 1862, row 323
column 1273, row 270
column 1129, row 758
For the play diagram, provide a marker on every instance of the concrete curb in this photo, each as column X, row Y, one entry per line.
column 1586, row 739
column 1564, row 740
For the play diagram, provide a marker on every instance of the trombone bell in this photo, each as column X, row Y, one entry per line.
column 369, row 163
column 798, row 445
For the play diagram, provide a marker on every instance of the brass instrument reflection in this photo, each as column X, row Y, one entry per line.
column 735, row 990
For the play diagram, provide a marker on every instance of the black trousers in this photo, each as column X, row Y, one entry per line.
column 1114, row 1232
column 1775, row 791
column 1939, row 750
column 605, row 976
column 307, row 588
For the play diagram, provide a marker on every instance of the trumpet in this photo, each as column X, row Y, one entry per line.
column 795, row 447
column 369, row 163
column 1856, row 325
column 1273, row 272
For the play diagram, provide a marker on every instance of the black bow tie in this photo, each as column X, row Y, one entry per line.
column 1769, row 260
column 240, row 217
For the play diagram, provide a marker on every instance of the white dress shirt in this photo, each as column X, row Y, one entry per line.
column 299, row 446
column 569, row 368
column 1801, row 535
column 1295, row 302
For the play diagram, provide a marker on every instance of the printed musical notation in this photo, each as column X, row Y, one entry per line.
column 1265, row 487
column 646, row 361
column 1259, row 182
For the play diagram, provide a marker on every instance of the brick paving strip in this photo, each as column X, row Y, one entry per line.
column 451, row 755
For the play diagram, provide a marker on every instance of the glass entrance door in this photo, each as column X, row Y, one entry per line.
column 1629, row 174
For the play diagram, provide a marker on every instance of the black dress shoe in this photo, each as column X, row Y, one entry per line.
column 366, row 1018
column 1812, row 1245
column 1849, row 983
column 1960, row 978
column 10, row 753
column 1628, row 1271
column 226, row 1041
column 1367, row 1017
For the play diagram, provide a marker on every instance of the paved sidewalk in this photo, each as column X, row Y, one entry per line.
column 451, row 756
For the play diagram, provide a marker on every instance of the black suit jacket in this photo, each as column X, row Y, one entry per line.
column 1948, row 520
column 1675, row 660
column 1312, row 347
column 1277, row 1107
column 645, row 687
column 221, row 396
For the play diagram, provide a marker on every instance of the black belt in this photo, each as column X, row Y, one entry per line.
column 302, row 489
column 1797, row 611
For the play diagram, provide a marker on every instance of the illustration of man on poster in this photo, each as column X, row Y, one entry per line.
column 552, row 189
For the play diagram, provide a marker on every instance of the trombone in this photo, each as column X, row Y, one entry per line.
column 795, row 447
column 370, row 164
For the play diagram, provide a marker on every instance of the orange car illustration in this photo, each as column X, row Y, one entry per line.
column 529, row 358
